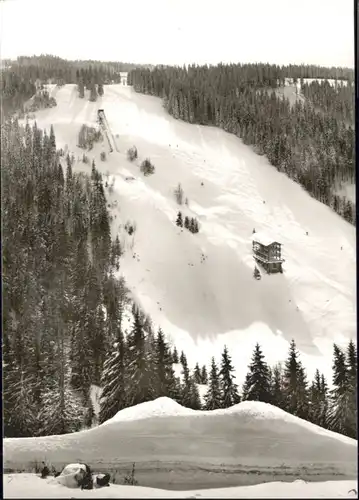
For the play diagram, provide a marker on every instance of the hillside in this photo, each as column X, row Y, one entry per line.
column 246, row 444
column 200, row 288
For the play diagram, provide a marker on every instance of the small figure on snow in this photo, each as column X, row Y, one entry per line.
column 45, row 471
column 256, row 274
column 254, row 230
column 87, row 481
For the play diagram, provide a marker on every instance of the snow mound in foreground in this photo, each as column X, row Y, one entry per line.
column 167, row 407
column 160, row 407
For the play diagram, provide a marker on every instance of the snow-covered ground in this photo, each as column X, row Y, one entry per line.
column 200, row 288
column 31, row 486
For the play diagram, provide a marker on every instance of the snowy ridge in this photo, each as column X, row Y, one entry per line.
column 160, row 407
column 166, row 407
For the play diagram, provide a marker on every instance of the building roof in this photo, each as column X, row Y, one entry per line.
column 264, row 238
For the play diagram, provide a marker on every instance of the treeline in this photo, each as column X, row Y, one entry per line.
column 298, row 71
column 336, row 100
column 313, row 148
column 48, row 67
column 62, row 301
column 140, row 369
column 19, row 77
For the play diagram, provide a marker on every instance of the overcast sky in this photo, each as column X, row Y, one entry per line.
column 182, row 31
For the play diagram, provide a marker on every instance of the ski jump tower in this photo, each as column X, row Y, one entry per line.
column 101, row 117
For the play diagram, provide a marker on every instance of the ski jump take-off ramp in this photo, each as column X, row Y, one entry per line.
column 106, row 130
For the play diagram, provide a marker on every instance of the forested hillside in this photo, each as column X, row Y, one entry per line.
column 58, row 262
column 312, row 141
column 63, row 315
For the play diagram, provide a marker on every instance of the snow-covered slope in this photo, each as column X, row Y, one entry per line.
column 167, row 407
column 200, row 288
column 250, row 441
column 161, row 407
column 31, row 486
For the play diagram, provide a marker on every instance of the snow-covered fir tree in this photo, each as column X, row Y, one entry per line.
column 189, row 392
column 318, row 400
column 113, row 380
column 179, row 220
column 139, row 369
column 175, row 355
column 204, row 375
column 295, row 385
column 213, row 397
column 257, row 383
column 166, row 381
column 197, row 374
column 276, row 386
column 342, row 413
column 229, row 388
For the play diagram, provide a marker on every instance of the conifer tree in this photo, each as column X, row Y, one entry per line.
column 183, row 359
column 175, row 355
column 93, row 93
column 20, row 417
column 197, row 374
column 81, row 89
column 179, row 220
column 186, row 222
column 213, row 397
column 113, row 380
column 352, row 361
column 324, row 395
column 166, row 380
column 257, row 382
column 315, row 398
column 341, row 414
column 295, row 385
column 204, row 375
column 189, row 391
column 100, row 89
column 138, row 369
column 230, row 395
column 277, row 398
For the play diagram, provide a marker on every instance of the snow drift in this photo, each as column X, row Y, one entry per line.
column 243, row 444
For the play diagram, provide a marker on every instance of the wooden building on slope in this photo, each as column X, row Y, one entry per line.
column 267, row 253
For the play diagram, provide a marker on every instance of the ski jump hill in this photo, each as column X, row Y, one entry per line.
column 199, row 287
